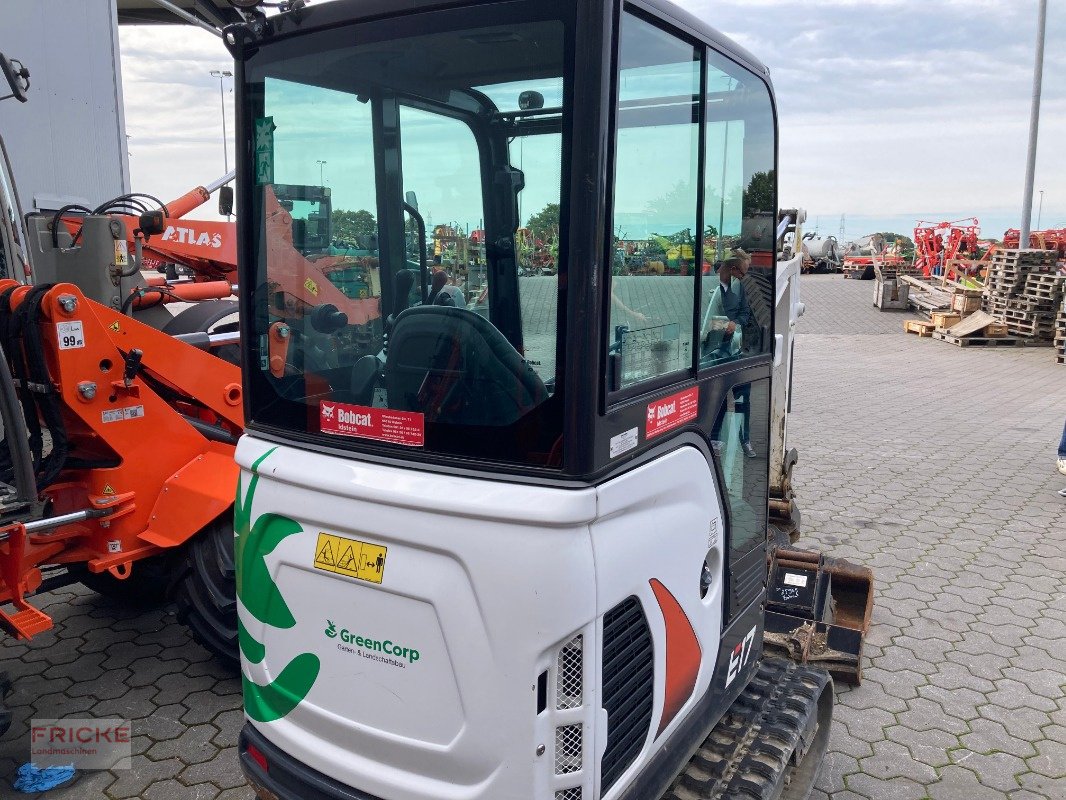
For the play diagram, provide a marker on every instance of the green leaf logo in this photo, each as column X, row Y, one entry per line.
column 331, row 631
column 262, row 598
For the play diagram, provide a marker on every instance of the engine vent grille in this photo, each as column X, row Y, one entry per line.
column 569, row 676
column 748, row 582
column 569, row 794
column 628, row 685
column 567, row 749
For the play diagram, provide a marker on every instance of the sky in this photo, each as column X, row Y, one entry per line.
column 890, row 111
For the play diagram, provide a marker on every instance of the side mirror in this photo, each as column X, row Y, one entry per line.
column 530, row 101
column 412, row 200
column 18, row 78
column 225, row 200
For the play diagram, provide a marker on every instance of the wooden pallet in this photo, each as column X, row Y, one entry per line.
column 985, row 341
column 1024, row 257
column 918, row 326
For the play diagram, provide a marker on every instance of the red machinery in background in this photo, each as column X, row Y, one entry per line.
column 1051, row 239
column 941, row 247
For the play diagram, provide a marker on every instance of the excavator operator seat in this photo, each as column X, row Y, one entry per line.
column 457, row 368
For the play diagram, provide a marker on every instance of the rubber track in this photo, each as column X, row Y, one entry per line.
column 746, row 754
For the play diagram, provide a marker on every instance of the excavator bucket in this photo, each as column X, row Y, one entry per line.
column 818, row 610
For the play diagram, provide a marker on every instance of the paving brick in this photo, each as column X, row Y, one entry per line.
column 957, row 783
column 993, row 770
column 1050, row 760
column 926, row 747
column 164, row 723
column 142, row 774
column 241, row 793
column 205, row 706
column 193, row 746
column 222, row 770
column 891, row 760
column 989, row 736
column 173, row 790
column 874, row 788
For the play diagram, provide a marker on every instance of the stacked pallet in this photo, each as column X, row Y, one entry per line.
column 1024, row 290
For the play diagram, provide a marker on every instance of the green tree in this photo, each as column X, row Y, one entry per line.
column 759, row 196
column 348, row 226
column 545, row 223
column 908, row 243
column 679, row 203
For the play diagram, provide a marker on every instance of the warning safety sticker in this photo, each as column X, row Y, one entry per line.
column 384, row 425
column 672, row 412
column 350, row 557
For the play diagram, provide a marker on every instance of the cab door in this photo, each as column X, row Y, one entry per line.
column 684, row 439
column 660, row 540
column 13, row 261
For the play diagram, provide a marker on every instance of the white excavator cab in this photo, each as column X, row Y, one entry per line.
column 501, row 525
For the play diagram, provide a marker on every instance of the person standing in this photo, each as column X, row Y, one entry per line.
column 722, row 339
column 759, row 295
column 1062, row 458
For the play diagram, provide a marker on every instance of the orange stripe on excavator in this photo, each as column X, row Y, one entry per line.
column 683, row 655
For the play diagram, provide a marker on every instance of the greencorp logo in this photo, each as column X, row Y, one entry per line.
column 394, row 654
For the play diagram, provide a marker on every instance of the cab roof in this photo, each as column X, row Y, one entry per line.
column 340, row 12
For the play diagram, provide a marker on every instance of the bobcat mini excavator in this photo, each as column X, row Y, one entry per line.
column 515, row 548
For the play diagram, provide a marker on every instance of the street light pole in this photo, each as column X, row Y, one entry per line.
column 1040, row 211
column 222, row 75
column 321, row 180
column 1034, row 125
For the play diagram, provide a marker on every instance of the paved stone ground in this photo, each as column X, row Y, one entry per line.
column 934, row 465
column 930, row 463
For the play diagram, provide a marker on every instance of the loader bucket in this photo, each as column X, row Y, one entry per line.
column 818, row 610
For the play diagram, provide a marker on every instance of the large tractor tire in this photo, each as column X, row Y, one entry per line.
column 209, row 316
column 146, row 585
column 204, row 587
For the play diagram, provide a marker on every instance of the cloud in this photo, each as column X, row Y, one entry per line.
column 897, row 107
column 173, row 109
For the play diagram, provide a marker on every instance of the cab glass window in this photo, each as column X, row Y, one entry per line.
column 655, row 236
column 740, row 198
column 13, row 262
column 446, row 191
column 406, row 233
